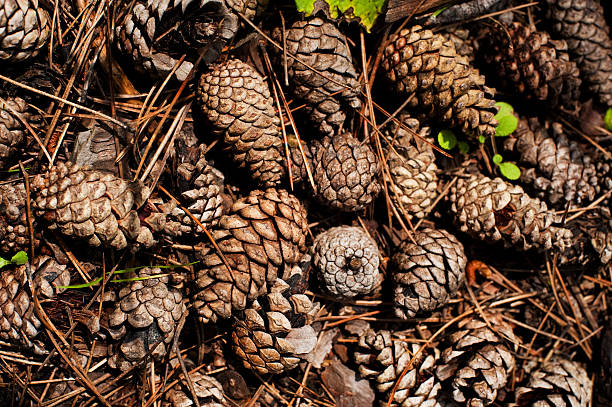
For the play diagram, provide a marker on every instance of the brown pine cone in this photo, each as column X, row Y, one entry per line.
column 494, row 210
column 530, row 63
column 144, row 319
column 412, row 168
column 429, row 273
column 157, row 33
column 263, row 234
column 556, row 383
column 382, row 359
column 345, row 172
column 424, row 67
column 18, row 322
column 555, row 168
column 94, row 206
column 14, row 234
column 583, row 25
column 208, row 390
column 463, row 41
column 274, row 332
column 333, row 93
column 347, row 259
column 250, row 8
column 13, row 133
column 237, row 102
column 477, row 360
column 25, row 28
column 299, row 173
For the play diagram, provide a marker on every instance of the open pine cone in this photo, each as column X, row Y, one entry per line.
column 14, row 234
column 25, row 28
column 264, row 233
column 13, row 133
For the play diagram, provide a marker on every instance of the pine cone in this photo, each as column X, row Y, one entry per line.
column 208, row 390
column 424, row 67
column 463, row 41
column 530, row 63
column 263, row 234
column 477, row 360
column 347, row 259
column 24, row 30
column 272, row 334
column 18, row 321
column 558, row 382
column 299, row 173
column 91, row 205
column 237, row 102
column 382, row 360
column 413, row 169
column 144, row 319
column 583, row 25
column 345, row 172
column 13, row 133
column 428, row 273
column 157, row 33
column 250, row 8
column 493, row 210
column 14, row 234
column 333, row 93
column 555, row 168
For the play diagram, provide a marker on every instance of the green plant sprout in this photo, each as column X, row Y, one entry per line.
column 18, row 259
column 507, row 169
column 608, row 119
column 127, row 270
column 365, row 10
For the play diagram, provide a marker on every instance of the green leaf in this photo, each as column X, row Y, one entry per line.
column 3, row 262
column 447, row 139
column 20, row 258
column 463, row 147
column 505, row 109
column 365, row 10
column 608, row 119
column 510, row 171
column 482, row 139
column 439, row 11
column 497, row 159
column 506, row 126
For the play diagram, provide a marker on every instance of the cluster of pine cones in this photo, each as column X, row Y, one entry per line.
column 213, row 195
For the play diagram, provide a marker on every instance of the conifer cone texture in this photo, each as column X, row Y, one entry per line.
column 12, row 130
column 493, row 210
column 14, row 234
column 94, row 206
column 236, row 101
column 263, row 233
column 476, row 360
column 530, row 62
column 558, row 382
column 420, row 63
column 583, row 25
column 334, row 89
column 25, row 28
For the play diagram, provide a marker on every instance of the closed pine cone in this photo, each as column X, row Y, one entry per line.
column 274, row 332
column 144, row 319
column 382, row 360
column 556, row 383
column 236, row 101
column 25, row 28
column 332, row 93
column 264, row 233
column 157, row 33
column 94, row 206
column 18, row 322
column 425, row 67
column 347, row 259
column 412, row 168
column 345, row 172
column 13, row 133
column 14, row 234
column 583, row 25
column 477, row 360
column 494, row 210
column 555, row 168
column 529, row 62
column 428, row 273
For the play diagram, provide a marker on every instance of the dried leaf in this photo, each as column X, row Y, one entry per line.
column 323, row 347
column 348, row 392
column 303, row 339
